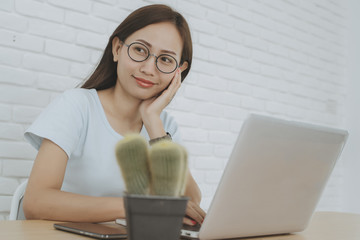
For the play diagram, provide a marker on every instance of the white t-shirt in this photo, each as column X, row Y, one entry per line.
column 77, row 123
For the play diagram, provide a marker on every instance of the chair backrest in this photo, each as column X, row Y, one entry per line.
column 16, row 211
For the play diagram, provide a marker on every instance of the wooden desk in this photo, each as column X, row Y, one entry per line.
column 324, row 226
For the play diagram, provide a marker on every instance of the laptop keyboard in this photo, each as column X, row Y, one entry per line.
column 194, row 228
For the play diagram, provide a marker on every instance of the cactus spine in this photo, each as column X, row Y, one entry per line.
column 132, row 156
column 185, row 171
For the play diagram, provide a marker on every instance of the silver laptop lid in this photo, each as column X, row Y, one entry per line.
column 274, row 178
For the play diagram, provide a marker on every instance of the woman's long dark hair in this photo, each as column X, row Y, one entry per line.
column 105, row 75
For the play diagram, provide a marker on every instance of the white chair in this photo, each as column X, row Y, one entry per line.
column 16, row 210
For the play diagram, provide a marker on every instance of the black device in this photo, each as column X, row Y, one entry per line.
column 94, row 230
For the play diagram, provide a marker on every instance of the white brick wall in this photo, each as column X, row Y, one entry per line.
column 278, row 57
column 351, row 156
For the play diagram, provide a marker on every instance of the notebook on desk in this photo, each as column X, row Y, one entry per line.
column 273, row 180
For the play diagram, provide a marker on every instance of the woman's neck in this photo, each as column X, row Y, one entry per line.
column 122, row 108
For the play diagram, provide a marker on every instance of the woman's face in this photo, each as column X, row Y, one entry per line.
column 143, row 80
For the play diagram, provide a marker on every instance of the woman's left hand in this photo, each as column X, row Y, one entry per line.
column 194, row 214
column 155, row 105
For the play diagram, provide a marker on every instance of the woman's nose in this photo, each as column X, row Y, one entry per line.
column 149, row 65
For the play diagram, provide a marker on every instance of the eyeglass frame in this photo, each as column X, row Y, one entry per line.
column 151, row 54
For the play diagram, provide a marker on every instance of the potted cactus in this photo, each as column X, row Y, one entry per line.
column 155, row 180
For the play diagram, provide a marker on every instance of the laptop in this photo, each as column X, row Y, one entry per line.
column 273, row 180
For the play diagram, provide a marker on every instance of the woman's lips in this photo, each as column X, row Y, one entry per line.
column 144, row 83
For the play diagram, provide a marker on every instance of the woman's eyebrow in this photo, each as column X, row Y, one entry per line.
column 149, row 45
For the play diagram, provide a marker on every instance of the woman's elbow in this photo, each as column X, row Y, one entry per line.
column 30, row 208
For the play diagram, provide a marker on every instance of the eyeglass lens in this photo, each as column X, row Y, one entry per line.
column 164, row 62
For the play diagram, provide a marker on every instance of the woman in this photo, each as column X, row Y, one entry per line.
column 75, row 176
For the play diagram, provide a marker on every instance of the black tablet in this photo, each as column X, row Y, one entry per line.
column 94, row 230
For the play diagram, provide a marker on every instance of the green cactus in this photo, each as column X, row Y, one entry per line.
column 132, row 157
column 168, row 167
column 162, row 170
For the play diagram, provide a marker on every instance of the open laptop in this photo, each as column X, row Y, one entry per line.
column 273, row 180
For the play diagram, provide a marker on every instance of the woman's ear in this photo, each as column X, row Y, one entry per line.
column 116, row 45
column 184, row 66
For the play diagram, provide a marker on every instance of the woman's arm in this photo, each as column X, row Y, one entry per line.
column 150, row 113
column 44, row 199
column 192, row 190
column 193, row 209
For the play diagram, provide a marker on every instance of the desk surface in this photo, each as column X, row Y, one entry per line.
column 323, row 226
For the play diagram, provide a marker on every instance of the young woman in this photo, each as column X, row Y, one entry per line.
column 75, row 176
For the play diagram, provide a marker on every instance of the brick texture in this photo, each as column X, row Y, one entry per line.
column 281, row 58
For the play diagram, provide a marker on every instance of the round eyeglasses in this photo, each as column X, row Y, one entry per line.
column 138, row 52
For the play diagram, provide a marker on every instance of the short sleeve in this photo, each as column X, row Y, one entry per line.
column 171, row 126
column 61, row 122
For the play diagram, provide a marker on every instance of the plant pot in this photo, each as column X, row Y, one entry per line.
column 154, row 217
